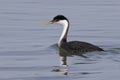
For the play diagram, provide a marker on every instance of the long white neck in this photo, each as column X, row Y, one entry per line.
column 63, row 37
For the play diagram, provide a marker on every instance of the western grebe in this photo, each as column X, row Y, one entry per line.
column 72, row 46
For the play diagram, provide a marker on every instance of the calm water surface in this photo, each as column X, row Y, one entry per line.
column 27, row 49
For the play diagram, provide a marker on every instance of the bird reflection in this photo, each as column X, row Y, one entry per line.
column 63, row 54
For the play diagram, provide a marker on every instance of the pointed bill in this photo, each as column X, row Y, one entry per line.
column 46, row 23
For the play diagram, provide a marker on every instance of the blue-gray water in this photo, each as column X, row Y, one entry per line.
column 27, row 48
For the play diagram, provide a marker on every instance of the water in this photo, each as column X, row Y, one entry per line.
column 27, row 49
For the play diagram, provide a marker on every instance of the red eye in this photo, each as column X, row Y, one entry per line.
column 54, row 20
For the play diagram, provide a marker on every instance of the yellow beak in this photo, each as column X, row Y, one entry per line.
column 47, row 23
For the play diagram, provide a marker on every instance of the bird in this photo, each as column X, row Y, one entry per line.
column 71, row 46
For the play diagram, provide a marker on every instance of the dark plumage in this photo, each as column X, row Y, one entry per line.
column 79, row 46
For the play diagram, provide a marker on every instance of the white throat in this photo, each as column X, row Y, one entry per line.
column 65, row 25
